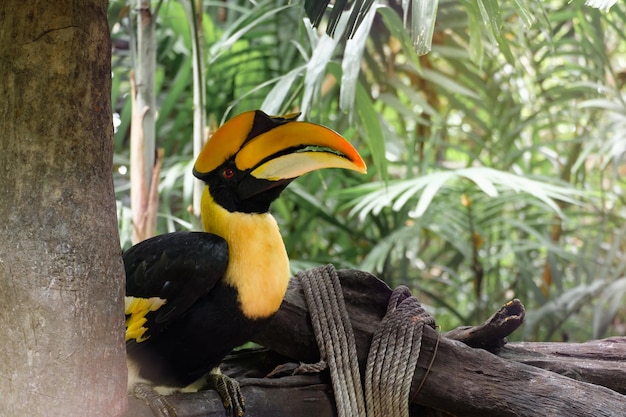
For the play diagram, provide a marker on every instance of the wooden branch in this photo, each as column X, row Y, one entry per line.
column 302, row 396
column 601, row 362
column 461, row 380
column 473, row 382
column 491, row 335
column 311, row 396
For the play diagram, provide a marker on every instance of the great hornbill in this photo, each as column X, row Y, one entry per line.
column 191, row 297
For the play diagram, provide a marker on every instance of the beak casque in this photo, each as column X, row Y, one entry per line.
column 276, row 148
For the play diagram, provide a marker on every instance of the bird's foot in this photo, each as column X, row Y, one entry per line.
column 228, row 388
column 160, row 406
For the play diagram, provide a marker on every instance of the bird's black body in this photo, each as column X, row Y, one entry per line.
column 193, row 297
column 200, row 321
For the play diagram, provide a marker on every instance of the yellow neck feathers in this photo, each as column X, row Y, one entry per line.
column 258, row 266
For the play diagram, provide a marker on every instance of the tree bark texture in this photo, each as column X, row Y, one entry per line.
column 458, row 379
column 61, row 275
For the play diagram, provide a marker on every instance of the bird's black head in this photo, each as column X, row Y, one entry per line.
column 250, row 160
column 237, row 190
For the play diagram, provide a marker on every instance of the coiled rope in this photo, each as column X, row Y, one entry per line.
column 393, row 353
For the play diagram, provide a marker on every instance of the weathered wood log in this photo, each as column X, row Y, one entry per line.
column 302, row 395
column 600, row 362
column 491, row 335
column 311, row 396
column 290, row 396
column 460, row 380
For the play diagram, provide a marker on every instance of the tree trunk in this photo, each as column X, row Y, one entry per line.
column 61, row 275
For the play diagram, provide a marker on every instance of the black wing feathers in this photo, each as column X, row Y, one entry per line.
column 179, row 267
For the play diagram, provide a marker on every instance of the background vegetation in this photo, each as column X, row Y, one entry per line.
column 496, row 160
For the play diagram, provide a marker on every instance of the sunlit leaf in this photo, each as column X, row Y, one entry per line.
column 351, row 62
column 423, row 24
column 321, row 56
column 603, row 5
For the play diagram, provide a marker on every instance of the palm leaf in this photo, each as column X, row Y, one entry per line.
column 397, row 194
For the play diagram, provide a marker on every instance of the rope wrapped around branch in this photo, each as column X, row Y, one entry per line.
column 392, row 357
column 335, row 338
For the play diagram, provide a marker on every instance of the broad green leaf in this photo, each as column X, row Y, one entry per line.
column 372, row 131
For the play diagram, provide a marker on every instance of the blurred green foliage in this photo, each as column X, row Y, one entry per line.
column 495, row 161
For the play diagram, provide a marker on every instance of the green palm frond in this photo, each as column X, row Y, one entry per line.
column 422, row 190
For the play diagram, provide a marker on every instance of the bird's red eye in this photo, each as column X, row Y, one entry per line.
column 228, row 173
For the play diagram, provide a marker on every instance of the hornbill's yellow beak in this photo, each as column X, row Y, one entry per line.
column 266, row 152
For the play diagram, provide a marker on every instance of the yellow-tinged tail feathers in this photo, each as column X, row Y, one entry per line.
column 136, row 310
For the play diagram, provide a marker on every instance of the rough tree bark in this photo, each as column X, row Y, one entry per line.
column 61, row 276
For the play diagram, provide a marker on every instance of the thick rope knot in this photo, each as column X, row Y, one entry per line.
column 392, row 357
